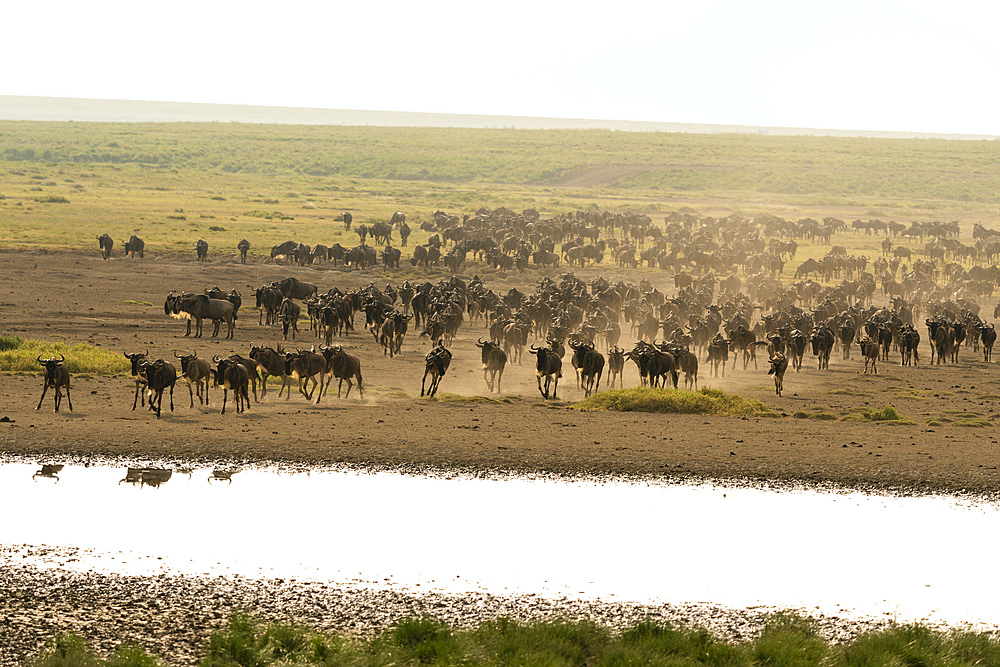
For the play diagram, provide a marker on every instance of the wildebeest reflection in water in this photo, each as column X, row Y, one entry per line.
column 49, row 470
column 219, row 475
column 147, row 476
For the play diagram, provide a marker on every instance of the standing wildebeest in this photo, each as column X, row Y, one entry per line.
column 436, row 364
column 909, row 344
column 549, row 366
column 616, row 365
column 404, row 233
column 288, row 314
column 57, row 377
column 293, row 288
column 779, row 364
column 268, row 301
column 198, row 307
column 244, row 247
column 159, row 376
column 348, row 219
column 870, row 353
column 232, row 375
column 494, row 361
column 390, row 257
column 138, row 360
column 135, row 245
column 197, row 372
column 286, row 250
column 201, row 249
column 107, row 244
column 270, row 362
column 988, row 335
column 342, row 366
column 822, row 344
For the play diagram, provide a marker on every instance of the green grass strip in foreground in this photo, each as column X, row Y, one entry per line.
column 679, row 401
column 786, row 640
column 21, row 356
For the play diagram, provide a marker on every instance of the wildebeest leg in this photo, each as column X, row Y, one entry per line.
column 541, row 391
column 225, row 397
column 188, row 332
column 191, row 393
column 135, row 399
column 499, row 377
column 555, row 386
column 171, row 398
column 426, row 371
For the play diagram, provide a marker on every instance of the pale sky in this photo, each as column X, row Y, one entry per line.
column 853, row 64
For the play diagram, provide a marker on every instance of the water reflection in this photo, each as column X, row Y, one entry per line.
column 910, row 558
column 48, row 470
column 153, row 477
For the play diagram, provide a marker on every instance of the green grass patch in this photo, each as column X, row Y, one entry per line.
column 133, row 302
column 974, row 422
column 21, row 356
column 887, row 415
column 785, row 639
column 849, row 392
column 704, row 401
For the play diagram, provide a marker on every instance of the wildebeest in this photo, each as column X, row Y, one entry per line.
column 348, row 219
column 616, row 365
column 390, row 257
column 548, row 365
column 160, row 375
column 436, row 364
column 244, row 247
column 270, row 362
column 268, row 301
column 201, row 249
column 286, row 250
column 199, row 307
column 988, row 335
column 288, row 315
column 134, row 245
column 195, row 372
column 138, row 360
column 57, row 377
column 779, row 364
column 305, row 365
column 230, row 374
column 718, row 354
column 870, row 353
column 494, row 361
column 822, row 344
column 107, row 244
column 343, row 366
column 293, row 288
column 591, row 366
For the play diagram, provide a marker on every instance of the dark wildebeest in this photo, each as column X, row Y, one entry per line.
column 57, row 377
column 138, row 360
column 348, row 219
column 195, row 372
column 390, row 257
column 549, row 366
column 286, row 250
column 988, row 334
column 942, row 338
column 201, row 249
column 404, row 233
column 270, row 362
column 343, row 366
column 304, row 366
column 909, row 344
column 135, row 245
column 107, row 244
column 779, row 364
column 232, row 375
column 436, row 364
column 244, row 247
column 288, row 315
column 293, row 288
column 494, row 361
column 591, row 366
column 870, row 353
column 199, row 307
column 616, row 365
column 797, row 346
column 718, row 354
column 268, row 301
column 822, row 344
column 160, row 375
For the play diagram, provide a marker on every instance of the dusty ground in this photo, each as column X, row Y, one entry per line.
column 80, row 298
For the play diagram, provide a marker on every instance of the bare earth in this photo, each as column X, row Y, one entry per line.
column 80, row 298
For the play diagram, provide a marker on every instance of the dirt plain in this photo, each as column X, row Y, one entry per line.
column 117, row 304
column 80, row 298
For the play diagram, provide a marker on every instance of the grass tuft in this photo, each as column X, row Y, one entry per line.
column 704, row 401
column 20, row 356
column 886, row 415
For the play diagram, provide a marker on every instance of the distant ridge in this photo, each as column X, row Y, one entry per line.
column 16, row 107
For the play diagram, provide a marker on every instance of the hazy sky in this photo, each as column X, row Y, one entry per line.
column 851, row 64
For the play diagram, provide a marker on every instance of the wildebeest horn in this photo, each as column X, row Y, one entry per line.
column 177, row 356
column 62, row 358
column 40, row 359
column 215, row 358
column 146, row 353
column 534, row 347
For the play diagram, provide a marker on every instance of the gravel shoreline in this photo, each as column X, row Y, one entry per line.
column 173, row 616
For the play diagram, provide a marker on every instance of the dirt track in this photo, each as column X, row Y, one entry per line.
column 83, row 301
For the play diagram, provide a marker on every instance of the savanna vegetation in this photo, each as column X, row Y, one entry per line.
column 62, row 183
column 784, row 641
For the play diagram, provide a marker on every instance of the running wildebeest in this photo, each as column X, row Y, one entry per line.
column 159, row 376
column 494, row 361
column 436, row 365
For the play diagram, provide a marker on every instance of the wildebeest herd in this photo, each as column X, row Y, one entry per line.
column 727, row 300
